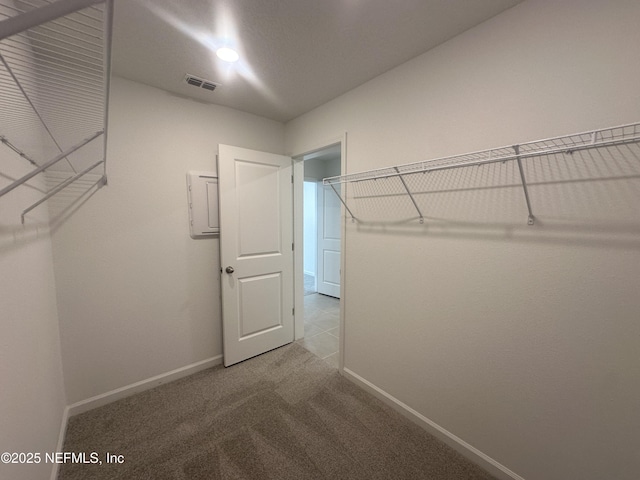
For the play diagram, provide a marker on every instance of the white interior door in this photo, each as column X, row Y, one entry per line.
column 328, row 266
column 256, row 243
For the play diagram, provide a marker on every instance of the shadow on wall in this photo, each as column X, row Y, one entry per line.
column 610, row 235
column 12, row 233
column 72, row 198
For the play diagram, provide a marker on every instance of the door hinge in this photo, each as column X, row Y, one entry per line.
column 293, row 246
column 291, row 178
column 293, row 312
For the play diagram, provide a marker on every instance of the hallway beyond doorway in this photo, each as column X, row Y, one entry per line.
column 309, row 285
column 322, row 327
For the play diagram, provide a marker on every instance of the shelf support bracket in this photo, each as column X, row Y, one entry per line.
column 33, row 107
column 62, row 185
column 531, row 218
column 413, row 200
column 353, row 218
column 17, row 150
column 55, row 160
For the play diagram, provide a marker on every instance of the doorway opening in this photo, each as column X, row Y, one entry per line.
column 321, row 215
column 310, row 236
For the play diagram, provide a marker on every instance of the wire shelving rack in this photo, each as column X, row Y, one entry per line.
column 54, row 88
column 402, row 175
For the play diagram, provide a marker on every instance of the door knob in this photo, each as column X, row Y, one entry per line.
column 229, row 270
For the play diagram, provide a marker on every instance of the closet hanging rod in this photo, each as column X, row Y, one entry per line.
column 50, row 163
column 63, row 185
column 621, row 135
column 17, row 150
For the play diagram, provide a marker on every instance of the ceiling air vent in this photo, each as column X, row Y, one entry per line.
column 200, row 82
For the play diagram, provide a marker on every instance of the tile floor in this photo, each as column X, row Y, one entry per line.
column 322, row 327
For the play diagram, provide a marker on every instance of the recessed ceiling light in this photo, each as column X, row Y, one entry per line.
column 227, row 54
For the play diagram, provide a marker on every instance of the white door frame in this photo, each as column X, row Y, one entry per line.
column 298, row 235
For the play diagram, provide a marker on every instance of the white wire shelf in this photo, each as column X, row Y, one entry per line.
column 54, row 87
column 401, row 179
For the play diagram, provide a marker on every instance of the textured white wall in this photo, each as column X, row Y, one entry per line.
column 522, row 341
column 137, row 295
column 32, row 401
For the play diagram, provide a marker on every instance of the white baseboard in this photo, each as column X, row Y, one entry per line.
column 119, row 393
column 128, row 390
column 60, row 445
column 476, row 456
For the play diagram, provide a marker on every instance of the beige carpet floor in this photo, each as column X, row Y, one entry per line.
column 282, row 415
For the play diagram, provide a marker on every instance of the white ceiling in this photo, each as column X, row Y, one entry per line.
column 295, row 54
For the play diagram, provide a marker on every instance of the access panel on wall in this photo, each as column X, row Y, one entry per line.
column 202, row 194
